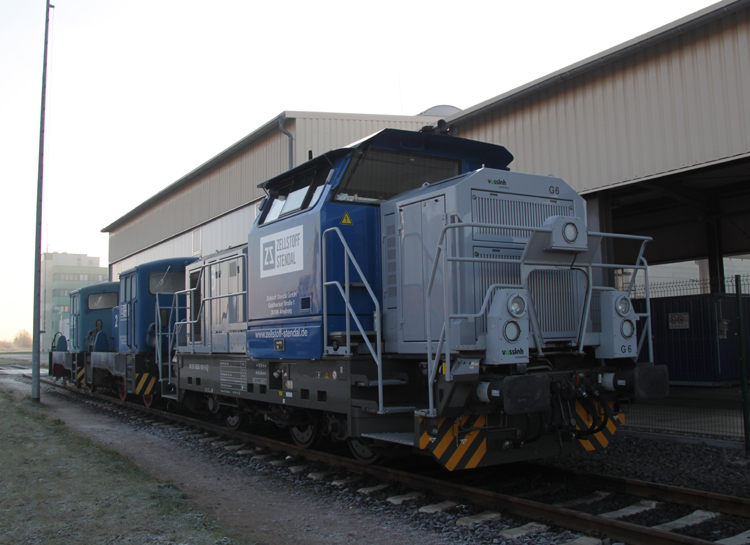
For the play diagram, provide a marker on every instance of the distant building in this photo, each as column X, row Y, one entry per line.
column 61, row 274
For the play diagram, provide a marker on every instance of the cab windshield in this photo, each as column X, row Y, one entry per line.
column 295, row 194
column 376, row 175
column 166, row 282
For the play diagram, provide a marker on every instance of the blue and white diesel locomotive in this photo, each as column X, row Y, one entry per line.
column 91, row 330
column 405, row 293
column 410, row 292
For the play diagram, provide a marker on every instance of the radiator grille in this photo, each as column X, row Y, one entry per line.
column 513, row 210
column 558, row 298
column 486, row 274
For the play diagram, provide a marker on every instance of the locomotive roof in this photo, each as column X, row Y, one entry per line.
column 99, row 287
column 491, row 155
column 160, row 264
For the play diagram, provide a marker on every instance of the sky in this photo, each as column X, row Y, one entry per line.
column 139, row 93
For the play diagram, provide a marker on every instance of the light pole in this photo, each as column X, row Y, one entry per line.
column 35, row 349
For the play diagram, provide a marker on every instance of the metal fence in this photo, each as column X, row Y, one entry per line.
column 685, row 287
column 696, row 333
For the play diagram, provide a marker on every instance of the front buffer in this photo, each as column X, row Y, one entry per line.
column 479, row 440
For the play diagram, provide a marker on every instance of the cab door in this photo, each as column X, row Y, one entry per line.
column 127, row 314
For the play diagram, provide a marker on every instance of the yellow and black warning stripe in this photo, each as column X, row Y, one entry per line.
column 144, row 383
column 80, row 375
column 454, row 446
column 584, row 421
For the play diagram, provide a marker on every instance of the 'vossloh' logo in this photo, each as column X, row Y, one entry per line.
column 514, row 352
column 497, row 182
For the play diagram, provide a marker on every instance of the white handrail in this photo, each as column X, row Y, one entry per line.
column 377, row 352
column 442, row 252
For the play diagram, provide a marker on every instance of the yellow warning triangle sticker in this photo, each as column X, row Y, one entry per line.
column 346, row 220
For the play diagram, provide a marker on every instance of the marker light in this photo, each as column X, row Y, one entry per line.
column 516, row 305
column 512, row 331
column 623, row 306
column 627, row 329
column 570, row 232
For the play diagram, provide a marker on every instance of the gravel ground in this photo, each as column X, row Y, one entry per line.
column 719, row 469
column 712, row 468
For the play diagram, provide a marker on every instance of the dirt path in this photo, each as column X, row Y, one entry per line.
column 258, row 508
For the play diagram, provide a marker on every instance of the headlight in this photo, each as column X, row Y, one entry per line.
column 512, row 331
column 516, row 305
column 627, row 329
column 570, row 232
column 623, row 306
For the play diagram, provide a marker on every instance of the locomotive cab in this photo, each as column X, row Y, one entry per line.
column 90, row 329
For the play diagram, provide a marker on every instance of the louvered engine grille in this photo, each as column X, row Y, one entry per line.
column 558, row 298
column 513, row 210
column 487, row 274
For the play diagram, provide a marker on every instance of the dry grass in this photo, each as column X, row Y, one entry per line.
column 56, row 488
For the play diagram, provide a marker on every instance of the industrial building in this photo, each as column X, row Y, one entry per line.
column 213, row 207
column 655, row 133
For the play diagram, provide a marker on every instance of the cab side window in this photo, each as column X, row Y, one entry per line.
column 295, row 194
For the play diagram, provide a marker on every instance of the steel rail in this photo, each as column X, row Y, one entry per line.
column 727, row 505
column 550, row 514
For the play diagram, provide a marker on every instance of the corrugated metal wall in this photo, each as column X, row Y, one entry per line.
column 234, row 182
column 318, row 134
column 678, row 105
column 227, row 231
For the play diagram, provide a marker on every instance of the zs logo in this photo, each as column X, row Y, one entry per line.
column 269, row 256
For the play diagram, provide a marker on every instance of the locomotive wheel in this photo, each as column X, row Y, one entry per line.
column 148, row 400
column 363, row 452
column 306, row 436
column 235, row 421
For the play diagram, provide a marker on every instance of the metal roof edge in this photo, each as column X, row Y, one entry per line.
column 244, row 142
column 205, row 167
column 351, row 116
column 644, row 41
column 665, row 174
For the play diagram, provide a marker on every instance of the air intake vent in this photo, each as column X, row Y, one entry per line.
column 558, row 298
column 389, row 255
column 486, row 274
column 524, row 211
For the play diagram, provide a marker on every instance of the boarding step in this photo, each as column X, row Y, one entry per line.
column 401, row 438
column 467, row 348
column 353, row 334
column 385, row 382
column 391, row 410
column 480, row 345
column 363, row 381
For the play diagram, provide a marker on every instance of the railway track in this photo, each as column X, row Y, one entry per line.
column 577, row 513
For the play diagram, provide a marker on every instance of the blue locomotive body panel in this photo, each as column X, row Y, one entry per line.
column 91, row 327
column 135, row 320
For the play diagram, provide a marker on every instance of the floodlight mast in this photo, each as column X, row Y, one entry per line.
column 35, row 348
